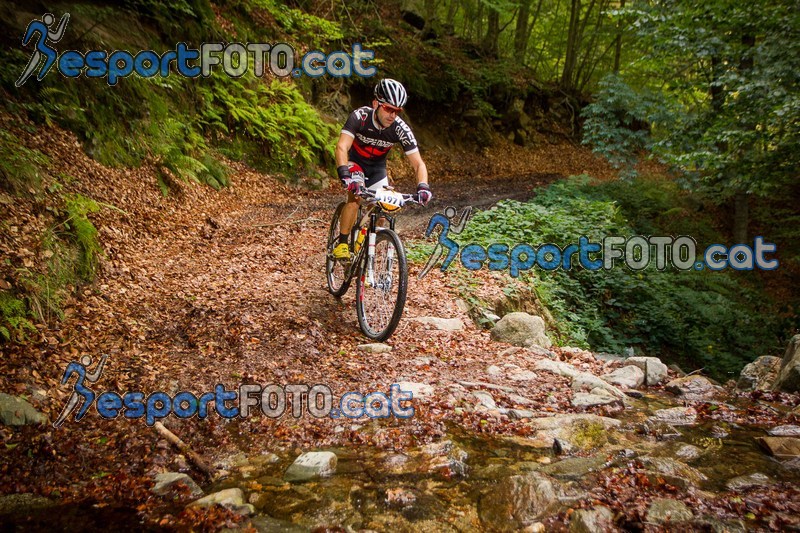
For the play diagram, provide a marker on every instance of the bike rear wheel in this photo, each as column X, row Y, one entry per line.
column 380, row 300
column 336, row 272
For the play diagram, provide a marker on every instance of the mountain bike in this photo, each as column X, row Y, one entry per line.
column 377, row 261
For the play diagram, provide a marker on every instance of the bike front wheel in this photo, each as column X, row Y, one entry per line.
column 381, row 287
column 336, row 271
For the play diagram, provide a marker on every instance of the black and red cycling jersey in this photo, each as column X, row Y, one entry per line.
column 371, row 143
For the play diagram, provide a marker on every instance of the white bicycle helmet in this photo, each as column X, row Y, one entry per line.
column 391, row 92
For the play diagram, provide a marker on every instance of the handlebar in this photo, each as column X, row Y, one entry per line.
column 368, row 194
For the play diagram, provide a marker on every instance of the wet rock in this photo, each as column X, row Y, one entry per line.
column 719, row 432
column 267, row 524
column 745, row 482
column 781, row 447
column 667, row 510
column 715, row 525
column 397, row 463
column 521, row 329
column 375, row 347
column 579, row 431
column 594, row 520
column 671, row 467
column 655, row 371
column 400, row 497
column 446, row 458
column 582, row 399
column 175, row 483
column 692, row 388
column 23, row 503
column 760, row 374
column 630, row 377
column 418, row 390
column 310, row 465
column 687, row 452
column 676, row 416
column 517, row 501
column 574, row 467
column 233, row 499
column 442, row 324
column 784, row 431
column 788, row 379
column 17, row 412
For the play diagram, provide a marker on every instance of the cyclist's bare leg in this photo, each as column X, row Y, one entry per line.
column 349, row 214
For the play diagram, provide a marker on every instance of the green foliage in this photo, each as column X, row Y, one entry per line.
column 13, row 318
column 20, row 168
column 705, row 319
column 83, row 232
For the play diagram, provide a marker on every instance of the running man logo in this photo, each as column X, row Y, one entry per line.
column 43, row 51
column 445, row 243
column 80, row 391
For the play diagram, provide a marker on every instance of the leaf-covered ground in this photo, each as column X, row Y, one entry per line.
column 206, row 287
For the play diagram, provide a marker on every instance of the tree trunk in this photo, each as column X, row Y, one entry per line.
column 490, row 42
column 572, row 44
column 521, row 33
column 741, row 217
column 618, row 43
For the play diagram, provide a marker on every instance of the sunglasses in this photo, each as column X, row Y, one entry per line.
column 391, row 109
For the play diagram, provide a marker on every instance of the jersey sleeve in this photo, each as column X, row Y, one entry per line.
column 405, row 137
column 353, row 123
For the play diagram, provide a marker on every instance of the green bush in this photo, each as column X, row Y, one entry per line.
column 715, row 320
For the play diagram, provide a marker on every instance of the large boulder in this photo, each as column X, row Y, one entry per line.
column 594, row 520
column 655, row 371
column 760, row 374
column 693, row 388
column 789, row 374
column 17, row 412
column 518, row 501
column 521, row 329
column 630, row 377
column 175, row 483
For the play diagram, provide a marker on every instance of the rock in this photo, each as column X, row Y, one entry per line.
column 579, row 431
column 659, row 429
column 789, row 375
column 520, row 400
column 17, row 412
column 630, row 377
column 609, row 357
column 784, row 431
column 175, row 483
column 745, row 482
column 519, row 414
column 677, row 416
column 375, row 347
column 760, row 374
column 582, row 399
column 671, row 467
column 715, row 525
column 442, row 324
column 310, row 465
column 231, row 498
column 418, row 390
column 594, row 520
column 24, row 503
column 446, row 458
column 536, row 527
column 687, row 452
column 400, row 497
column 485, row 399
column 655, row 371
column 781, row 447
column 521, row 329
column 517, row 501
column 494, row 370
column 580, row 380
column 523, row 375
column 574, row 467
column 264, row 524
column 667, row 510
column 692, row 388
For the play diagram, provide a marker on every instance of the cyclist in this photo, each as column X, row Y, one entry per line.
column 365, row 141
